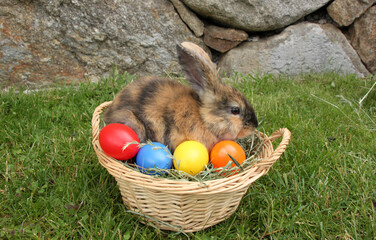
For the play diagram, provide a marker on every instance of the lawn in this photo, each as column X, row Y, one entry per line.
column 323, row 187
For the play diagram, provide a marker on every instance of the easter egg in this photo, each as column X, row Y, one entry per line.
column 191, row 157
column 154, row 155
column 219, row 154
column 119, row 141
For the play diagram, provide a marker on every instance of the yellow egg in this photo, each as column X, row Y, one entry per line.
column 191, row 157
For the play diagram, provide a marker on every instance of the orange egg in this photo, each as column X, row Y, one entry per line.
column 219, row 154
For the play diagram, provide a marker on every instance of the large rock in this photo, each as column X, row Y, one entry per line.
column 255, row 15
column 344, row 12
column 363, row 38
column 302, row 48
column 68, row 40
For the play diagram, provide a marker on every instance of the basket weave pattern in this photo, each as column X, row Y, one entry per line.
column 184, row 205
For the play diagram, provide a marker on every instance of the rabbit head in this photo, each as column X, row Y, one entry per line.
column 224, row 109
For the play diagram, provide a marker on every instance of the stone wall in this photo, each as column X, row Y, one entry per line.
column 290, row 37
column 44, row 41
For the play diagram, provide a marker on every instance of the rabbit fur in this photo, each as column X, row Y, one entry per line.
column 170, row 112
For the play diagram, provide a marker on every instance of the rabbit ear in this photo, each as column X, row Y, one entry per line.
column 200, row 70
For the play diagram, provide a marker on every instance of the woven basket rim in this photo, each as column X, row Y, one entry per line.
column 240, row 179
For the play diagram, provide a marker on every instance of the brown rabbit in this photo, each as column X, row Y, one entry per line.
column 169, row 112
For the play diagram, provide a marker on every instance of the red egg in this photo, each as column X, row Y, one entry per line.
column 219, row 154
column 119, row 141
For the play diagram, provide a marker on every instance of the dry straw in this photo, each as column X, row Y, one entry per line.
column 181, row 205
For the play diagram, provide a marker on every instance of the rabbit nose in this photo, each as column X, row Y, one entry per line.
column 252, row 120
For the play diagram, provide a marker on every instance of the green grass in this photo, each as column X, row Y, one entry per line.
column 323, row 187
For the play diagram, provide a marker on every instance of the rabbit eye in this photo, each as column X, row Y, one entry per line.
column 235, row 110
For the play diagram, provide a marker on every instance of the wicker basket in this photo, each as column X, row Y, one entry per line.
column 184, row 205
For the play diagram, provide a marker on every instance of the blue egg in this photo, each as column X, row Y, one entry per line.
column 154, row 155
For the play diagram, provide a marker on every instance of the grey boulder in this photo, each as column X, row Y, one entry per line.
column 302, row 48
